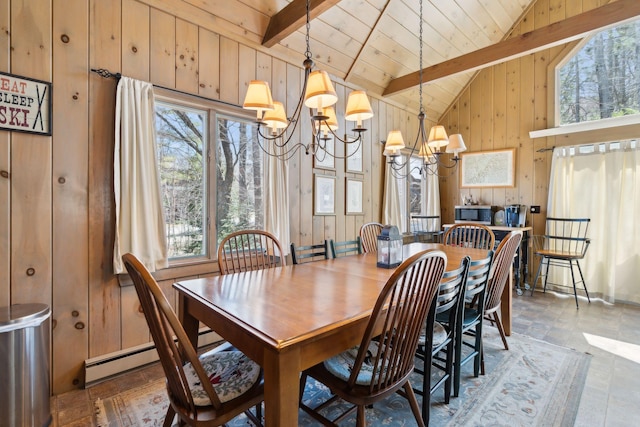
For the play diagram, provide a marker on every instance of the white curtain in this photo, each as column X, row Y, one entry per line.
column 139, row 211
column 602, row 182
column 277, row 197
column 392, row 213
column 432, row 198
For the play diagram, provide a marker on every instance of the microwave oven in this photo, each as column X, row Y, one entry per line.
column 481, row 214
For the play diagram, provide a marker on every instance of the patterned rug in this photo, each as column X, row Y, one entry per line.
column 532, row 384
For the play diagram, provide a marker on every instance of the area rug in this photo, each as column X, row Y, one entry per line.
column 532, row 384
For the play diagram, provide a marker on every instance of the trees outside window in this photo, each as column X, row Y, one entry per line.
column 239, row 176
column 602, row 79
column 211, row 174
column 181, row 136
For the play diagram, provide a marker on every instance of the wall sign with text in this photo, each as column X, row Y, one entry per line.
column 25, row 104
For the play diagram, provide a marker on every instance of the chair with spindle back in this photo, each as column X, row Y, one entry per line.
column 384, row 361
column 206, row 390
column 470, row 235
column 501, row 269
column 564, row 244
column 248, row 250
column 369, row 233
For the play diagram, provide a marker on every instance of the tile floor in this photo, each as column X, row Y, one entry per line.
column 612, row 390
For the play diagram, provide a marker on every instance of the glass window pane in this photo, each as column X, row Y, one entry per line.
column 601, row 79
column 415, row 183
column 181, row 135
column 239, row 175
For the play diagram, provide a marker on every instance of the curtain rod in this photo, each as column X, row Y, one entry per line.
column 103, row 72
column 542, row 150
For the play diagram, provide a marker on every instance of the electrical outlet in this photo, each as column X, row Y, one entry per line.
column 535, row 209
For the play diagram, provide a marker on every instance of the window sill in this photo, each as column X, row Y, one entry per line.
column 614, row 122
column 177, row 272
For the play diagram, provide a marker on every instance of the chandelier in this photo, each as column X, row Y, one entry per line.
column 430, row 148
column 276, row 130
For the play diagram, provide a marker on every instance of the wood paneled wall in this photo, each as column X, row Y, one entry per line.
column 56, row 193
column 499, row 108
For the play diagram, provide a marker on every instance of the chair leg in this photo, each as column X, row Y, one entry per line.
column 361, row 419
column 413, row 402
column 168, row 419
column 457, row 368
column 498, row 323
column 478, row 348
column 584, row 284
column 481, row 359
column 546, row 274
column 426, row 384
column 448, row 372
column 573, row 279
column 535, row 282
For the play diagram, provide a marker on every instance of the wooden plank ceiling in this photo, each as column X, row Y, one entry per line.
column 374, row 44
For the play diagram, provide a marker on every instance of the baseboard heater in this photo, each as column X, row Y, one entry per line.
column 103, row 367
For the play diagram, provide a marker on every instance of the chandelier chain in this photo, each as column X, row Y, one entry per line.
column 420, row 87
column 307, row 53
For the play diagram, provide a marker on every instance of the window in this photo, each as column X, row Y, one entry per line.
column 411, row 190
column 208, row 167
column 239, row 176
column 602, row 79
column 182, row 144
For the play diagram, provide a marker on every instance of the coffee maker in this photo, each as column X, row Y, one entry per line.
column 515, row 215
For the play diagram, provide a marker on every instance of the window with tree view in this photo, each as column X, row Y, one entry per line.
column 602, row 79
column 239, row 176
column 204, row 175
column 181, row 135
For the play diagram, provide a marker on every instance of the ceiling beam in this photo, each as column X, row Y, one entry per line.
column 292, row 17
column 366, row 42
column 570, row 29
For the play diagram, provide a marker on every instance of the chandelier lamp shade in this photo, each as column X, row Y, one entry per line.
column 427, row 147
column 275, row 134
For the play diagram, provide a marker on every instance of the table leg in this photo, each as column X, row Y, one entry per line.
column 505, row 304
column 189, row 323
column 281, row 388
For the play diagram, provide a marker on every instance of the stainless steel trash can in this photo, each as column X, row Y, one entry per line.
column 25, row 331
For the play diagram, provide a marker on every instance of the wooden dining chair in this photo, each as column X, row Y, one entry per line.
column 470, row 235
column 369, row 233
column 346, row 247
column 440, row 338
column 308, row 253
column 501, row 268
column 248, row 250
column 384, row 360
column 206, row 390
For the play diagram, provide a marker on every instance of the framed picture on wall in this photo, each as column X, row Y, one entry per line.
column 324, row 197
column 323, row 158
column 353, row 193
column 353, row 162
column 488, row 169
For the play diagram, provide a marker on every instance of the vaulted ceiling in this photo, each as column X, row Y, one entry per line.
column 370, row 42
column 374, row 44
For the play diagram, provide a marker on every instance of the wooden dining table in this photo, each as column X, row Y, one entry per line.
column 290, row 318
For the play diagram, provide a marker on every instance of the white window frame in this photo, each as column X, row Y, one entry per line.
column 180, row 267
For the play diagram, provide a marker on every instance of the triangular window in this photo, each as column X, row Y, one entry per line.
column 602, row 79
